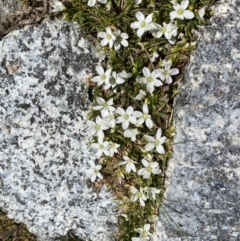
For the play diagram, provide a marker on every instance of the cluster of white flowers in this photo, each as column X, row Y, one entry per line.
column 108, row 78
column 111, row 116
column 143, row 194
column 144, row 234
column 146, row 24
column 115, row 38
column 126, row 120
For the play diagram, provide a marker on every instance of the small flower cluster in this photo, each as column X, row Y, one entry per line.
column 127, row 129
column 115, row 38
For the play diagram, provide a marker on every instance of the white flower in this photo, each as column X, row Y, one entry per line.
column 93, row 172
column 125, row 75
column 108, row 37
column 153, row 218
column 138, row 195
column 103, row 76
column 126, row 117
column 131, row 133
column 150, row 79
column 165, row 74
column 129, row 164
column 113, row 148
column 173, row 2
column 151, row 192
column 154, row 56
column 144, row 117
column 137, row 2
column 201, row 12
column 114, row 80
column 181, row 12
column 96, row 128
column 140, row 95
column 144, row 232
column 110, row 121
column 168, row 30
column 155, row 142
column 105, row 106
column 101, row 147
column 149, row 168
column 143, row 24
column 93, row 2
column 120, row 39
column 57, row 7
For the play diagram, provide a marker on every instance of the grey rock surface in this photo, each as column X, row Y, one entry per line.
column 9, row 6
column 43, row 138
column 202, row 201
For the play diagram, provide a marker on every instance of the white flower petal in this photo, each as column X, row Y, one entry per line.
column 146, row 71
column 188, row 14
column 104, row 42
column 145, row 108
column 135, row 25
column 98, row 107
column 140, row 32
column 149, row 18
column 125, row 124
column 120, row 111
column 157, row 83
column 149, row 147
column 124, row 42
column 99, row 69
column 149, row 123
column 150, row 88
column 173, row 15
column 101, row 34
column 184, row 4
column 145, row 162
column 169, row 79
column 174, row 71
column 160, row 149
column 140, row 17
column 91, row 3
column 159, row 133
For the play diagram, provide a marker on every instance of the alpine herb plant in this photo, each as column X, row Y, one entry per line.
column 143, row 48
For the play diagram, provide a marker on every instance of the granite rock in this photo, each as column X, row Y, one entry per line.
column 202, row 196
column 9, row 6
column 43, row 138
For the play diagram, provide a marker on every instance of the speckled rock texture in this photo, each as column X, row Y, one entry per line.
column 9, row 6
column 43, row 148
column 203, row 195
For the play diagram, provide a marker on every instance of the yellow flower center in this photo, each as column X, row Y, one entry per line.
column 101, row 146
column 157, row 142
column 109, row 36
column 149, row 169
column 126, row 116
column 105, row 105
column 143, row 24
column 149, row 79
column 180, row 11
column 103, row 77
column 112, row 81
column 166, row 72
column 98, row 127
column 145, row 116
column 112, row 145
